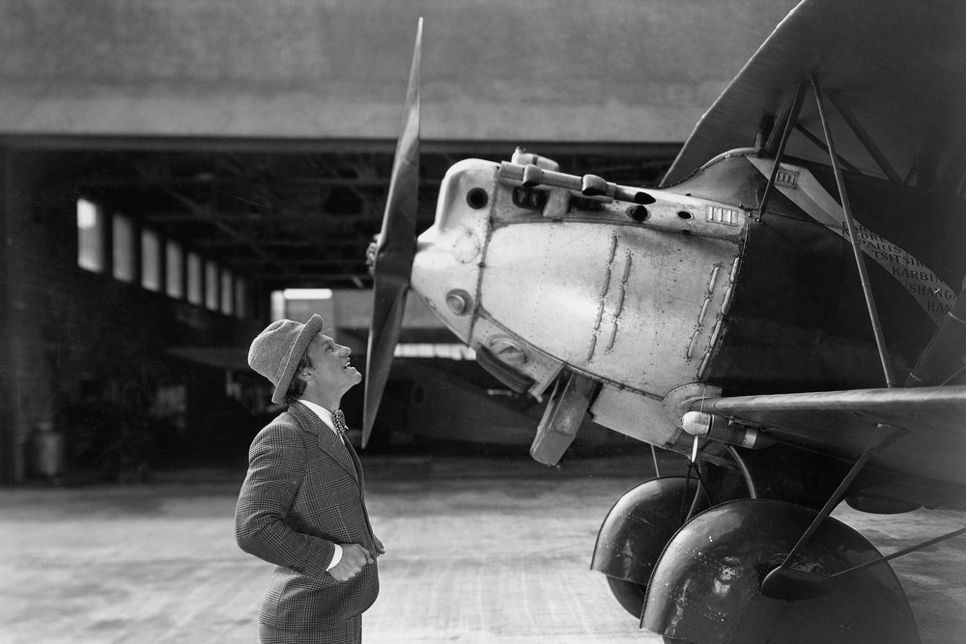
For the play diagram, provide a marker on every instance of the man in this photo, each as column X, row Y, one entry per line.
column 302, row 505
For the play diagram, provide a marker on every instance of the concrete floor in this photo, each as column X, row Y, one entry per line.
column 479, row 551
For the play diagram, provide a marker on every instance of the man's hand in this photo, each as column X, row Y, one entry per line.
column 354, row 557
column 380, row 549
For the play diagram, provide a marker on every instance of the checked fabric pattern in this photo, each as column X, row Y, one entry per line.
column 303, row 493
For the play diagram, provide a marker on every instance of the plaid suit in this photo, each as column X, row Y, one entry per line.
column 304, row 492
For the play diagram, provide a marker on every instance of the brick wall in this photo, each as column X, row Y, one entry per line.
column 68, row 331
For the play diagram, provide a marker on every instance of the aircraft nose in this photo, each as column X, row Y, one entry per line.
column 449, row 255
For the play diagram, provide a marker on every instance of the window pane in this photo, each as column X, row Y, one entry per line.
column 278, row 305
column 123, row 249
column 90, row 237
column 194, row 278
column 241, row 295
column 211, row 285
column 150, row 260
column 226, row 294
column 174, row 270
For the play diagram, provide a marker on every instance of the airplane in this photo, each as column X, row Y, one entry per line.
column 785, row 309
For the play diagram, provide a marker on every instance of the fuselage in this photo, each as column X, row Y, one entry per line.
column 662, row 295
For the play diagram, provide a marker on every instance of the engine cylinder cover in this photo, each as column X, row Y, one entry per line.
column 706, row 586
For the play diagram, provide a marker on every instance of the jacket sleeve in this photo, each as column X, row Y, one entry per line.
column 276, row 466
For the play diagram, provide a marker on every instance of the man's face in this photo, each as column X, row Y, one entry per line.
column 331, row 371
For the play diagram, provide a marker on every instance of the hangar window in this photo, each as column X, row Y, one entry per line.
column 439, row 350
column 241, row 296
column 194, row 278
column 124, row 250
column 226, row 299
column 211, row 285
column 174, row 270
column 150, row 260
column 90, row 236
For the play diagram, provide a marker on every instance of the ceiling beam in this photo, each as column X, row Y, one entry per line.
column 239, row 216
column 203, row 214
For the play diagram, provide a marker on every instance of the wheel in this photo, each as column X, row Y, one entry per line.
column 642, row 521
column 706, row 586
column 634, row 533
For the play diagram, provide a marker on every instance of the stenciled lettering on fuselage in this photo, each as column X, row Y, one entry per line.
column 935, row 297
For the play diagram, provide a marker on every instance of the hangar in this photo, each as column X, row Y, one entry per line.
column 176, row 175
column 168, row 166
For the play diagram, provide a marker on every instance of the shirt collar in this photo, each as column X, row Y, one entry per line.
column 324, row 414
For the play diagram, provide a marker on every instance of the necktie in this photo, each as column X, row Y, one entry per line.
column 338, row 419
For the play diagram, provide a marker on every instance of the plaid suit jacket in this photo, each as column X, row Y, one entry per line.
column 304, row 492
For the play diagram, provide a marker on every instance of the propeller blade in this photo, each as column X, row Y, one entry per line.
column 394, row 251
column 397, row 239
column 389, row 305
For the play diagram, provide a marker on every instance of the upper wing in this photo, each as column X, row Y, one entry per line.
column 932, row 445
column 897, row 68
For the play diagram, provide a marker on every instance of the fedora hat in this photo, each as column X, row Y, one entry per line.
column 276, row 351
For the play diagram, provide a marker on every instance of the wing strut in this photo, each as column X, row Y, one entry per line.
column 798, row 584
column 866, row 140
column 850, row 224
column 824, row 148
column 774, row 583
column 942, row 359
column 796, row 107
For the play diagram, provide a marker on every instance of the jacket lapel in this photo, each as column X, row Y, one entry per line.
column 328, row 441
column 358, row 463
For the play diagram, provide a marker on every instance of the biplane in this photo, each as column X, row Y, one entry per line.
column 786, row 310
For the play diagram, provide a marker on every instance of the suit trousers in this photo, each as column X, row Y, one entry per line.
column 349, row 632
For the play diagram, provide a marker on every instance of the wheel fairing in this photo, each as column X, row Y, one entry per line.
column 705, row 586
